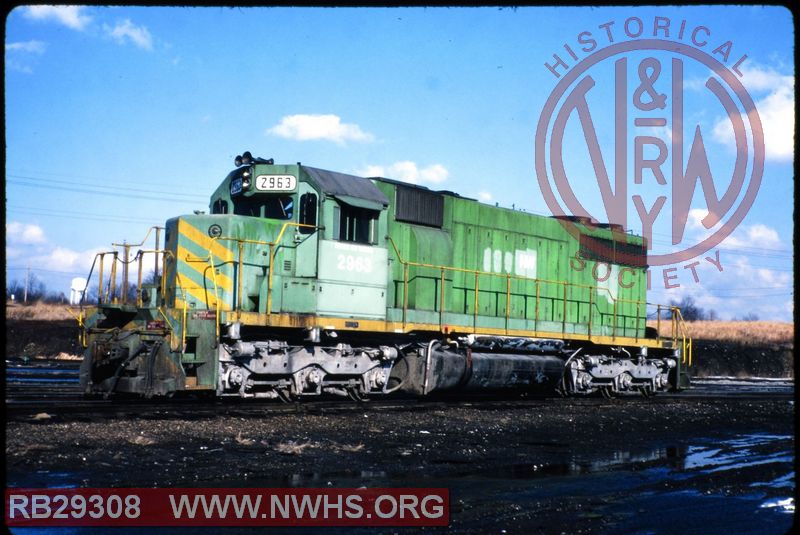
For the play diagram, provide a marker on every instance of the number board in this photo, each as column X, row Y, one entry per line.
column 236, row 186
column 276, row 183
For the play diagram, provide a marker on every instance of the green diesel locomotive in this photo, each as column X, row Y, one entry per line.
column 304, row 282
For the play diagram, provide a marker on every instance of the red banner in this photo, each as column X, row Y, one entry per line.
column 228, row 507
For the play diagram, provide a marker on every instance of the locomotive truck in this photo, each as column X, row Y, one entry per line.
column 303, row 282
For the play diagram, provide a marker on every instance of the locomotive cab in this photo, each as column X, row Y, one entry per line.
column 322, row 233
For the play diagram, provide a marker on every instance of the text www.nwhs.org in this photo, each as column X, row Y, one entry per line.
column 386, row 506
column 243, row 507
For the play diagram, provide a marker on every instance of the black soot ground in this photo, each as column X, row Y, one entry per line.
column 538, row 466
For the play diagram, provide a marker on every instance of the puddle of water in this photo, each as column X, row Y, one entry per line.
column 743, row 452
column 786, row 481
column 15, row 380
column 785, row 505
column 46, row 479
column 581, row 465
column 617, row 484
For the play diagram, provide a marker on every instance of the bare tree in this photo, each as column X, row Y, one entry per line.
column 690, row 311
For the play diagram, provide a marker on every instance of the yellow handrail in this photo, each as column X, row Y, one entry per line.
column 154, row 227
column 686, row 340
column 81, row 330
column 241, row 241
column 565, row 284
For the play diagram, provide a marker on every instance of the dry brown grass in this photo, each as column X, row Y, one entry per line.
column 37, row 311
column 741, row 332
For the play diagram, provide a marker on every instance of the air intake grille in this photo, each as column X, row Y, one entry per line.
column 419, row 206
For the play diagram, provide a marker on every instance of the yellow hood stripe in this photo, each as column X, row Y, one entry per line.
column 202, row 268
column 200, row 295
column 205, row 242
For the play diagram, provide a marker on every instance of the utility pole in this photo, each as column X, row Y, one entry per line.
column 27, row 282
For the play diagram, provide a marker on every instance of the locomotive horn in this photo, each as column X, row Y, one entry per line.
column 247, row 158
column 237, row 161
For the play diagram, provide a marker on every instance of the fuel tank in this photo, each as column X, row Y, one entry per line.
column 436, row 368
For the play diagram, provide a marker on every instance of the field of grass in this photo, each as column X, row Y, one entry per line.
column 740, row 348
column 747, row 333
column 37, row 311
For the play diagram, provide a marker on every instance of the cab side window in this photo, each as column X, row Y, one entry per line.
column 357, row 225
column 308, row 212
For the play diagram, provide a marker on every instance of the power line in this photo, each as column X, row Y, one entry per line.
column 44, row 270
column 96, row 180
column 107, row 194
column 105, row 186
column 64, row 214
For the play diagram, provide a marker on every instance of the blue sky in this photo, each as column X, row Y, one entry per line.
column 118, row 118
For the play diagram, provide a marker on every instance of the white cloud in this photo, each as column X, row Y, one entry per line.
column 485, row 196
column 32, row 47
column 776, row 111
column 125, row 31
column 694, row 219
column 25, row 234
column 757, row 235
column 661, row 132
column 62, row 259
column 756, row 276
column 19, row 54
column 12, row 253
column 757, row 78
column 740, row 289
column 373, row 170
column 409, row 171
column 70, row 16
column 329, row 127
column 16, row 66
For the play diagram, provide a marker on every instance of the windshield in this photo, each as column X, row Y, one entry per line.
column 268, row 206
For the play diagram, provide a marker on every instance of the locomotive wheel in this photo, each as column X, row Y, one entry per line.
column 285, row 395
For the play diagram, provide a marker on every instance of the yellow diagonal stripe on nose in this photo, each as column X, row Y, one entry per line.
column 200, row 264
column 201, row 296
column 207, row 243
column 202, row 267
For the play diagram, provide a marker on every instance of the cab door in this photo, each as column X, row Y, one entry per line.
column 353, row 266
column 299, row 259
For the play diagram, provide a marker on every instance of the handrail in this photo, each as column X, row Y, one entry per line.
column 241, row 241
column 154, row 227
column 538, row 282
column 110, row 294
column 126, row 249
column 686, row 339
column 81, row 330
column 210, row 260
